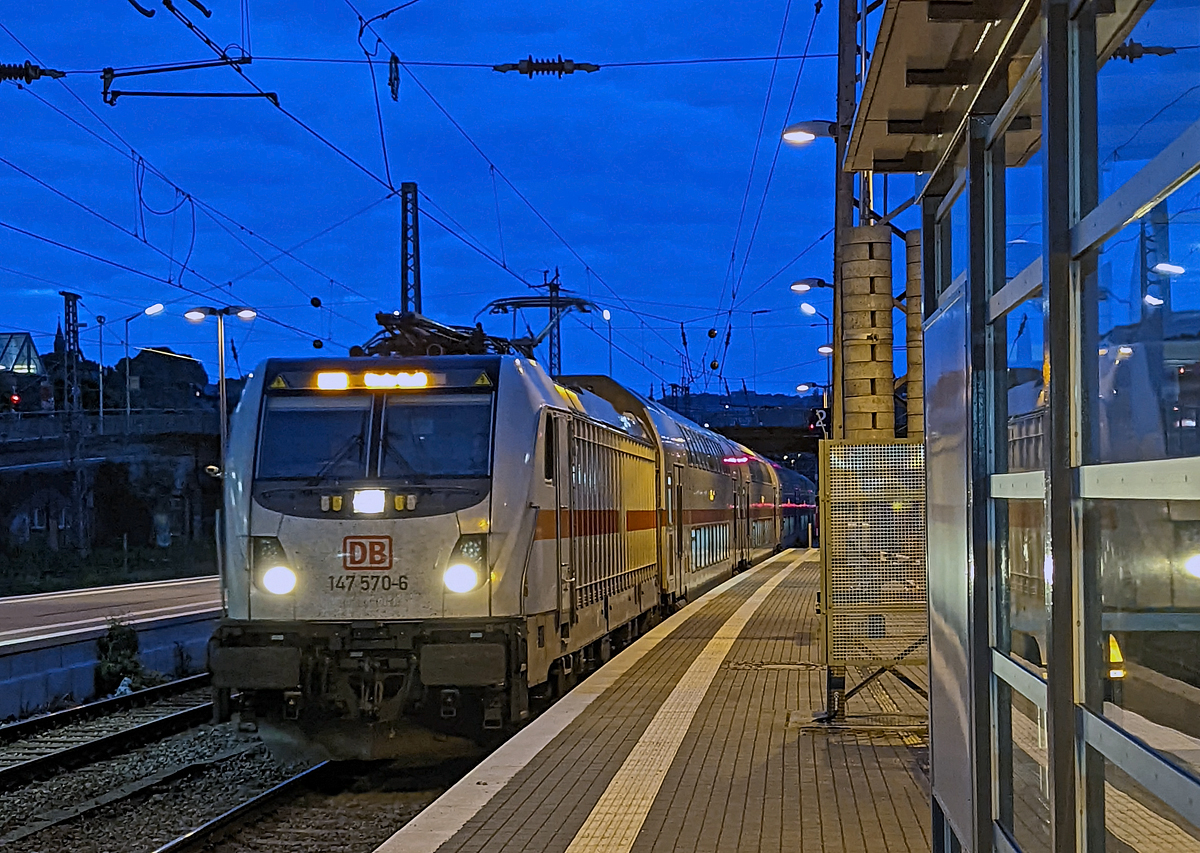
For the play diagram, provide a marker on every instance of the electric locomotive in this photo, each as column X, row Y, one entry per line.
column 411, row 546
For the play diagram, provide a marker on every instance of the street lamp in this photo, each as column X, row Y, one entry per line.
column 156, row 308
column 197, row 315
column 824, row 349
column 809, row 386
column 608, row 319
column 804, row 285
column 803, row 132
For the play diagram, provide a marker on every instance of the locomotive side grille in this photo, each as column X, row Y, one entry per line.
column 613, row 544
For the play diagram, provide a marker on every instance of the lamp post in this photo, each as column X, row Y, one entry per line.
column 608, row 319
column 100, row 321
column 156, row 308
column 824, row 386
column 197, row 315
column 827, row 348
column 801, row 133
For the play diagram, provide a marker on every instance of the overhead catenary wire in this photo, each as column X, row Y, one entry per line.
column 497, row 171
column 130, row 152
column 488, row 66
column 133, row 270
column 762, row 122
column 766, row 189
column 501, row 262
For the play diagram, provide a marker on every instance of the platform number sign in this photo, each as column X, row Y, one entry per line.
column 818, row 421
column 367, row 553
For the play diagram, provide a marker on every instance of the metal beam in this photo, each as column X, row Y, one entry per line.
column 925, row 126
column 953, row 74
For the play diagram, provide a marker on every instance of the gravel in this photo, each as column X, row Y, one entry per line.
column 338, row 823
column 149, row 818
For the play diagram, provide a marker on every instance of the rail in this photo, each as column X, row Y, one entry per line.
column 49, row 751
column 224, row 824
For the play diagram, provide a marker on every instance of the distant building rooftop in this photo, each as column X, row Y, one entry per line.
column 19, row 355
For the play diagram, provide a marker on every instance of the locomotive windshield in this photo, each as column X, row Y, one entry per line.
column 314, row 437
column 411, row 437
column 448, row 436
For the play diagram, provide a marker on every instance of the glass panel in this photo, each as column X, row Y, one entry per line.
column 1136, row 820
column 320, row 438
column 1146, row 293
column 1144, row 631
column 1025, row 598
column 1150, row 91
column 436, row 437
column 1026, row 386
column 1023, row 199
column 960, row 245
column 1023, row 769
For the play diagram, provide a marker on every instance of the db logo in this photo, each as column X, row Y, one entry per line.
column 366, row 552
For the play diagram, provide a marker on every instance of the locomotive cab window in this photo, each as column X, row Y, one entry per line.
column 443, row 436
column 548, row 451
column 305, row 437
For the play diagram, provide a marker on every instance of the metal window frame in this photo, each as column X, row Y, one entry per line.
column 1019, row 485
column 1169, row 783
column 1153, row 479
column 1170, row 169
column 1028, row 82
column 1019, row 678
column 1024, row 285
column 1001, row 842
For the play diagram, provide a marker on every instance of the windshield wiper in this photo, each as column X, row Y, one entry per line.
column 354, row 441
column 389, row 453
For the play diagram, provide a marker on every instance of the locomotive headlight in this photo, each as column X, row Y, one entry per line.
column 460, row 578
column 468, row 563
column 279, row 580
column 369, row 501
column 272, row 569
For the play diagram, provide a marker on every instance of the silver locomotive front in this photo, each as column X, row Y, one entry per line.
column 357, row 581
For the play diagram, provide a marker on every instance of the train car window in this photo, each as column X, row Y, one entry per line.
column 548, row 454
column 314, row 437
column 440, row 436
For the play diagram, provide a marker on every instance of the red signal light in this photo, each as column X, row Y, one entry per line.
column 16, row 398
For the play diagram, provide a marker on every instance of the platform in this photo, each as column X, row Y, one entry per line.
column 27, row 619
column 48, row 649
column 699, row 737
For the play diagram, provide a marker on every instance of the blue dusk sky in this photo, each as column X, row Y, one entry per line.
column 634, row 176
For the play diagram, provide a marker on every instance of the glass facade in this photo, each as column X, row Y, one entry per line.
column 1062, row 397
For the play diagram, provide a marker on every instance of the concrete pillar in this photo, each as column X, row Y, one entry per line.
column 867, row 383
column 914, row 339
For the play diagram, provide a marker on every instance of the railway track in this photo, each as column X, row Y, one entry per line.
column 326, row 807
column 38, row 747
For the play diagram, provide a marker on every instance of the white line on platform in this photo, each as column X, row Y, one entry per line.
column 20, row 635
column 440, row 820
column 102, row 590
column 616, row 819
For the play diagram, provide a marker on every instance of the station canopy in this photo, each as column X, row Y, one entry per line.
column 19, row 355
column 930, row 60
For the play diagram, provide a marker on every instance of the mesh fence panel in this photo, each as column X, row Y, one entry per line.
column 873, row 552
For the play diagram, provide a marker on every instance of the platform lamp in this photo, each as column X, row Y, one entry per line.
column 825, row 349
column 805, row 387
column 607, row 315
column 804, row 285
column 804, row 132
column 197, row 315
column 156, row 308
